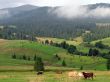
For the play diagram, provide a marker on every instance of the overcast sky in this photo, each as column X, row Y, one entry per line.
column 12, row 3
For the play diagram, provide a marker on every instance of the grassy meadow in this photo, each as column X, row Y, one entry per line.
column 18, row 70
column 28, row 75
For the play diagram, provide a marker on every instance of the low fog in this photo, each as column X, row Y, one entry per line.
column 78, row 11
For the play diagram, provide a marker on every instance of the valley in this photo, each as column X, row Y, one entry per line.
column 45, row 44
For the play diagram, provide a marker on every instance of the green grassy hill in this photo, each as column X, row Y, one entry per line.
column 105, row 41
column 47, row 52
column 8, row 47
column 17, row 70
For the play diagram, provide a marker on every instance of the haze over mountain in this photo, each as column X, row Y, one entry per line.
column 9, row 12
column 61, row 22
column 100, row 10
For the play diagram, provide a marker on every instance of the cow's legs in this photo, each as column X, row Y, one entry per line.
column 92, row 77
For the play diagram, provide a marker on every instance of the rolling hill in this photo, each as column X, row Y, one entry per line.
column 105, row 41
column 47, row 52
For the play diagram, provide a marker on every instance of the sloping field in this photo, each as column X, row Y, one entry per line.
column 28, row 48
column 105, row 41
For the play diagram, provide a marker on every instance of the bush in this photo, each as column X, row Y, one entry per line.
column 99, row 45
column 72, row 49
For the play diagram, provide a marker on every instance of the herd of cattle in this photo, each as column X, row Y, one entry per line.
column 76, row 74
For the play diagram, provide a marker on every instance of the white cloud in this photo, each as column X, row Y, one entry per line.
column 11, row 3
column 76, row 11
column 70, row 9
column 100, row 12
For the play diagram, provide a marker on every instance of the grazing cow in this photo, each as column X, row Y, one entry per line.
column 58, row 72
column 88, row 75
column 72, row 74
column 76, row 75
column 80, row 74
column 39, row 73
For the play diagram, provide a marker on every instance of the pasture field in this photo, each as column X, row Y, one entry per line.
column 28, row 75
column 21, row 47
column 18, row 70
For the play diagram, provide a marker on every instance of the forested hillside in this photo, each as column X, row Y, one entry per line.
column 38, row 21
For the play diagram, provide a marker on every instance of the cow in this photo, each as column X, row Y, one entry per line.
column 58, row 72
column 88, row 75
column 72, row 74
column 76, row 75
column 80, row 74
column 39, row 73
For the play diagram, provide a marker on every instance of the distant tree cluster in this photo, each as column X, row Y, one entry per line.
column 70, row 48
column 101, row 45
column 99, row 32
column 73, row 50
column 23, row 57
column 13, row 33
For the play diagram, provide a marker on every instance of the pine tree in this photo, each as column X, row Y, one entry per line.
column 29, row 58
column 63, row 63
column 14, row 56
column 35, row 57
column 81, row 68
column 108, row 64
column 38, row 66
column 24, row 57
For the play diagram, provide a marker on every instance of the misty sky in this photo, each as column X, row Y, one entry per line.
column 13, row 3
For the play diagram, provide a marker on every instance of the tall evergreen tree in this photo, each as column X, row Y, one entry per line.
column 108, row 64
column 14, row 56
column 29, row 58
column 64, row 45
column 63, row 63
column 24, row 57
column 34, row 57
column 38, row 66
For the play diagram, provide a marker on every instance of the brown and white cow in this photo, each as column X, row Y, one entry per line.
column 88, row 75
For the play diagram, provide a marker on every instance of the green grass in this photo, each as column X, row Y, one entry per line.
column 105, row 41
column 21, row 47
column 8, row 47
column 51, row 76
column 15, row 70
